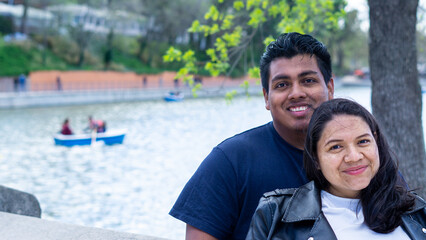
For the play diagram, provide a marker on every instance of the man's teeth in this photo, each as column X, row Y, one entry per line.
column 298, row 109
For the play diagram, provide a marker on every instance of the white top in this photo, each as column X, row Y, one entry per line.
column 347, row 220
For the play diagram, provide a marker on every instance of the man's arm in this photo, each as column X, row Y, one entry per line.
column 193, row 233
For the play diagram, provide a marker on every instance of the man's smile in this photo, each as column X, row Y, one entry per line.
column 298, row 109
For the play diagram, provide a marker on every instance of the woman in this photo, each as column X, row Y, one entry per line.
column 355, row 190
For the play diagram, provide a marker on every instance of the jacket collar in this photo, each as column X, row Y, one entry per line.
column 419, row 204
column 305, row 204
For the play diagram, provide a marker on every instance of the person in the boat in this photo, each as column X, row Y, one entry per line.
column 101, row 126
column 96, row 125
column 92, row 124
column 355, row 190
column 66, row 130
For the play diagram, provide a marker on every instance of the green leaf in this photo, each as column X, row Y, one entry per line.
column 195, row 27
column 212, row 54
column 238, row 5
column 172, row 54
column 265, row 4
column 189, row 56
column 256, row 17
column 213, row 13
column 268, row 40
column 234, row 38
column 195, row 89
column 229, row 96
column 227, row 22
column 253, row 4
column 214, row 29
column 254, row 72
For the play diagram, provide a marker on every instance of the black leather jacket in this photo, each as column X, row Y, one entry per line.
column 296, row 214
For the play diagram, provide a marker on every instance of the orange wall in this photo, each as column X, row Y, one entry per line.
column 46, row 80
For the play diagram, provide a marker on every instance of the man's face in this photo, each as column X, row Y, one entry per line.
column 296, row 89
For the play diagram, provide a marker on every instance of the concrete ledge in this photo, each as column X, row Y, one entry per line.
column 17, row 202
column 17, row 227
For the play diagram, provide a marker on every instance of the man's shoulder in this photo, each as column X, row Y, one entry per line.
column 250, row 135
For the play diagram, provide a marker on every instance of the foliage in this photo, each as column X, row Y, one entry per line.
column 6, row 25
column 65, row 48
column 26, row 58
column 348, row 45
column 76, row 48
column 237, row 27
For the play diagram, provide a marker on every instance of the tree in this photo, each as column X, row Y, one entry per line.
column 82, row 38
column 23, row 27
column 396, row 92
column 109, row 40
column 237, row 27
column 167, row 21
column 347, row 45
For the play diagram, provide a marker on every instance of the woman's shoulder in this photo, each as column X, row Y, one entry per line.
column 278, row 198
column 282, row 197
column 419, row 204
column 289, row 192
column 280, row 193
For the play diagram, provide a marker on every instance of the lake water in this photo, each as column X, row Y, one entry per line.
column 129, row 187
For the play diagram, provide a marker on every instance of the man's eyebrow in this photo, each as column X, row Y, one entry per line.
column 279, row 77
column 302, row 74
column 309, row 72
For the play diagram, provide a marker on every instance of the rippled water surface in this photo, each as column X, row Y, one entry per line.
column 129, row 187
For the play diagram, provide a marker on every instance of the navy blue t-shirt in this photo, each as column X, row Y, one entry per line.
column 222, row 195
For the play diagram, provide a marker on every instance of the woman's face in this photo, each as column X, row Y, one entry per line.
column 348, row 155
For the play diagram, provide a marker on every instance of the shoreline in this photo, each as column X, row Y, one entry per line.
column 30, row 99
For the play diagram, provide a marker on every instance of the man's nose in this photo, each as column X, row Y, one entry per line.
column 297, row 91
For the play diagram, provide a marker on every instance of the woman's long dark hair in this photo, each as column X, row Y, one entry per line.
column 384, row 200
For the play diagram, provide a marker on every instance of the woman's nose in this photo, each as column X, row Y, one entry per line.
column 353, row 155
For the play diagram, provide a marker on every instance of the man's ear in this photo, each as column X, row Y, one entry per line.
column 266, row 97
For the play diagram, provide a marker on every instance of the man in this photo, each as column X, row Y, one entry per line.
column 219, row 200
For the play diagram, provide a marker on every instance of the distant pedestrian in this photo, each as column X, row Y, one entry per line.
column 58, row 83
column 176, row 83
column 22, row 82
column 160, row 82
column 198, row 79
column 145, row 82
column 16, row 84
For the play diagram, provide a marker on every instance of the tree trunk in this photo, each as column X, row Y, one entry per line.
column 23, row 28
column 108, row 53
column 396, row 92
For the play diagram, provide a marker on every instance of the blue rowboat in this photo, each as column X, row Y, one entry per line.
column 108, row 137
column 174, row 96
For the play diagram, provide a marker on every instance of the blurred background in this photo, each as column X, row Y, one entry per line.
column 69, row 46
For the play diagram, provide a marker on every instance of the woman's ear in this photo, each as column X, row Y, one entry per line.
column 316, row 162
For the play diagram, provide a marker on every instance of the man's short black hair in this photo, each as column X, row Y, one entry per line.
column 289, row 45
